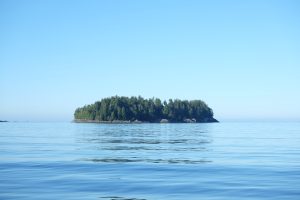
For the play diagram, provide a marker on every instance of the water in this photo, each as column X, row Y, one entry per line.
column 149, row 161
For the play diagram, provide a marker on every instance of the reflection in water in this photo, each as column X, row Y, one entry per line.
column 120, row 198
column 120, row 148
column 148, row 144
column 123, row 160
column 146, row 141
column 236, row 161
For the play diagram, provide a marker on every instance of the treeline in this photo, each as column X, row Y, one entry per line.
column 145, row 110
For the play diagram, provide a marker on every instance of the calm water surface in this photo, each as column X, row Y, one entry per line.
column 150, row 161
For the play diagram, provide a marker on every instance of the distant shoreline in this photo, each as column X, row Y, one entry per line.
column 3, row 121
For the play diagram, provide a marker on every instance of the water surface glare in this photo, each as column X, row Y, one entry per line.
column 150, row 161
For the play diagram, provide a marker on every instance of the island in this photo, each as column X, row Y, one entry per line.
column 120, row 109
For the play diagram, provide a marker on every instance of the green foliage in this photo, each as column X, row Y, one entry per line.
column 150, row 110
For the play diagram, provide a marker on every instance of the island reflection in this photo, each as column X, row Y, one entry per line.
column 120, row 143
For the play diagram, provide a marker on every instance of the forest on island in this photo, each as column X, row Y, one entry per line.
column 145, row 110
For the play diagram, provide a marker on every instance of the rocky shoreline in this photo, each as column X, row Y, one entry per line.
column 162, row 121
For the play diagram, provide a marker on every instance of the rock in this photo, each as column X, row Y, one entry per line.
column 164, row 121
column 120, row 122
column 190, row 120
column 209, row 120
column 137, row 121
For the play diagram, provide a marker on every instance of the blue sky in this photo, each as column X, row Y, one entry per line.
column 241, row 57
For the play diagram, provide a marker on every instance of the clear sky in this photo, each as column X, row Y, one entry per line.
column 241, row 57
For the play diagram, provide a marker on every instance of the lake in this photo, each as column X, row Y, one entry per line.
column 150, row 161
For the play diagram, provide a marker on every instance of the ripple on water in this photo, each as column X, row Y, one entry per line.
column 150, row 161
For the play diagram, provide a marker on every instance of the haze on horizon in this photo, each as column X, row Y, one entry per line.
column 240, row 57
